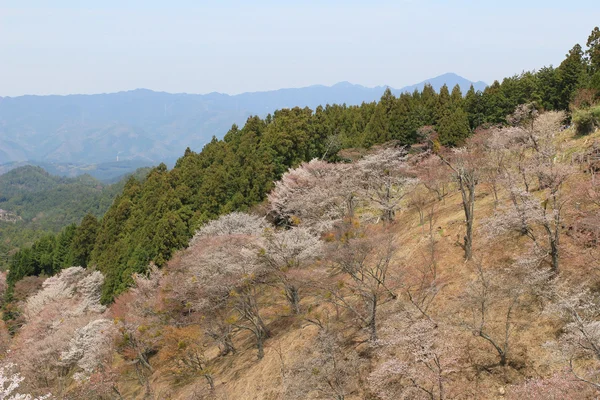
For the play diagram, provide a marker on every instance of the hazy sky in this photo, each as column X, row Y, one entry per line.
column 238, row 46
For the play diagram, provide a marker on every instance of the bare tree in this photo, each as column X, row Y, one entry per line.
column 431, row 174
column 367, row 259
column 419, row 199
column 327, row 369
column 464, row 163
column 496, row 297
column 182, row 350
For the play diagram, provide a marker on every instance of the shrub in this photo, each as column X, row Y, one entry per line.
column 586, row 120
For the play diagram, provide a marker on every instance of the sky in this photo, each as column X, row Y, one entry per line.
column 68, row 46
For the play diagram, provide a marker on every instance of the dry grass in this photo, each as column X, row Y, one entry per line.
column 243, row 376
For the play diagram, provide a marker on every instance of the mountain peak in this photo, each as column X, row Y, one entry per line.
column 344, row 84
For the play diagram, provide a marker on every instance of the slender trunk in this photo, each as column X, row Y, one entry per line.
column 227, row 343
column 261, row 334
column 467, row 190
column 350, row 206
column 523, row 219
column 388, row 215
column 501, row 352
column 503, row 359
column 293, row 297
column 260, row 346
column 554, row 253
column 373, row 320
column 210, row 380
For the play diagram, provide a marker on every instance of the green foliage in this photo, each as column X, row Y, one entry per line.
column 454, row 128
column 586, row 120
column 83, row 240
column 570, row 75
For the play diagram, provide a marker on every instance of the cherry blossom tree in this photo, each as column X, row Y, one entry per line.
column 385, row 180
column 228, row 273
column 558, row 386
column 579, row 345
column 235, row 223
column 315, row 195
column 10, row 382
column 538, row 216
column 419, row 357
column 140, row 326
column 60, row 340
column 286, row 253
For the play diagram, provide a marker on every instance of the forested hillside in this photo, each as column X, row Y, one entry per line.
column 426, row 246
column 45, row 204
column 149, row 221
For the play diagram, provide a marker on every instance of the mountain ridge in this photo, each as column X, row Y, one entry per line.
column 142, row 124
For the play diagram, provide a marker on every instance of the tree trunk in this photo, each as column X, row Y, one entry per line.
column 467, row 190
column 260, row 346
column 293, row 297
column 373, row 320
column 211, row 381
column 554, row 253
column 228, row 347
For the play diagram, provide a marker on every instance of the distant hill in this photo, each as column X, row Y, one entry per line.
column 34, row 202
column 143, row 127
column 107, row 172
column 49, row 201
column 449, row 79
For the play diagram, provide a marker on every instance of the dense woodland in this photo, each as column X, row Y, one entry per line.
column 45, row 204
column 367, row 228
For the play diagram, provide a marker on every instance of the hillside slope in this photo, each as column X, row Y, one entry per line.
column 380, row 310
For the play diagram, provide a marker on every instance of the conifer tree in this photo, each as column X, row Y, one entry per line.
column 84, row 239
column 472, row 106
column 378, row 129
column 571, row 75
column 453, row 128
column 456, row 97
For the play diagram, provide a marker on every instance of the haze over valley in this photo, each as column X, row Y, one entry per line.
column 93, row 133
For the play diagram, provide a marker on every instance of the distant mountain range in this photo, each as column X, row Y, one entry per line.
column 142, row 127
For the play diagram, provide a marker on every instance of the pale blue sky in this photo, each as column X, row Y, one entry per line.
column 63, row 47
